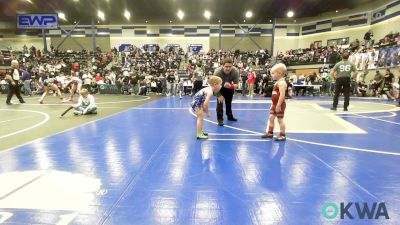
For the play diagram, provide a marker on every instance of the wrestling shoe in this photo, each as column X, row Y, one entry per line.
column 202, row 137
column 280, row 138
column 267, row 135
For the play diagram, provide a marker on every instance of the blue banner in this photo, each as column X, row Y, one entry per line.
column 195, row 48
column 37, row 21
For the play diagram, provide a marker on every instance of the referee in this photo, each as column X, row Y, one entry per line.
column 342, row 71
column 230, row 79
column 13, row 81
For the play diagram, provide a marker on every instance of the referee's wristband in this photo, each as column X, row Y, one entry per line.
column 218, row 94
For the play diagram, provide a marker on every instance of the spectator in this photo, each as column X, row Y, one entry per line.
column 331, row 82
column 361, row 76
column 301, row 81
column 171, row 84
column 388, row 84
column 313, row 78
column 251, row 81
column 367, row 38
column 86, row 104
column 244, row 76
column 197, row 79
column 362, row 89
column 290, row 88
column 293, row 77
column 26, row 79
column 378, row 78
column 99, row 79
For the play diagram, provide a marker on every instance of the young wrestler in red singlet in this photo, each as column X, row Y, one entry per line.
column 278, row 103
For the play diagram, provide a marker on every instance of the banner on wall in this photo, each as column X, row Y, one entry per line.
column 124, row 47
column 378, row 14
column 389, row 57
column 367, row 60
column 37, row 21
column 171, row 47
column 151, row 47
column 195, row 48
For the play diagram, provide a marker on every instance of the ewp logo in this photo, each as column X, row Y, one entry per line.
column 331, row 210
column 37, row 21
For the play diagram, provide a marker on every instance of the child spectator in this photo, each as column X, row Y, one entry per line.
column 180, row 88
column 251, row 81
column 86, row 104
column 362, row 89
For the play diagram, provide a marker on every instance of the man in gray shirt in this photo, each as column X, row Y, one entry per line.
column 230, row 80
column 342, row 70
column 197, row 79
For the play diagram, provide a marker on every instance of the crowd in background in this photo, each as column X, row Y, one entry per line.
column 135, row 71
column 330, row 54
column 167, row 71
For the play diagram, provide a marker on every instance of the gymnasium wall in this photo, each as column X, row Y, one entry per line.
column 383, row 28
column 208, row 36
column 86, row 42
column 353, row 24
column 379, row 30
column 383, row 18
column 306, row 72
column 241, row 43
column 162, row 41
column 351, row 33
column 18, row 43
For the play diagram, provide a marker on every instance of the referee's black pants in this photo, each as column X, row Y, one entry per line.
column 342, row 85
column 197, row 86
column 228, row 95
column 14, row 89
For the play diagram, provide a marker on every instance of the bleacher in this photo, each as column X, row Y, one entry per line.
column 5, row 58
